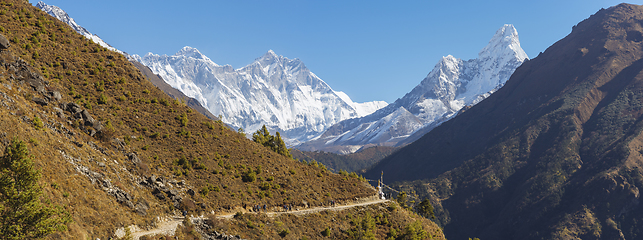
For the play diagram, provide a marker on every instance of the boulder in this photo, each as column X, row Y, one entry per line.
column 36, row 83
column 54, row 95
column 4, row 42
column 60, row 112
column 74, row 108
column 40, row 101
column 141, row 207
column 158, row 194
column 134, row 158
column 89, row 120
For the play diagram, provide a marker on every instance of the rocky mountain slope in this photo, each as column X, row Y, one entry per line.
column 452, row 84
column 114, row 150
column 274, row 91
column 61, row 15
column 554, row 154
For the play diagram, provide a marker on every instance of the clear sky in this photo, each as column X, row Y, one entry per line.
column 371, row 50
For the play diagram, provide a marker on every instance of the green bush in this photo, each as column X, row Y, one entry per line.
column 37, row 123
column 102, row 99
column 249, row 176
column 326, row 232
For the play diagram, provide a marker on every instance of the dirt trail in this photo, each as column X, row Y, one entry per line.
column 310, row 210
column 168, row 226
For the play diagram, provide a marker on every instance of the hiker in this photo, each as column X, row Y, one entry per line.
column 264, row 207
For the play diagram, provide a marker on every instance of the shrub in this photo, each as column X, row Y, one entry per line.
column 37, row 123
column 326, row 232
column 183, row 118
column 155, row 135
column 102, row 99
column 249, row 176
column 204, row 191
column 284, row 233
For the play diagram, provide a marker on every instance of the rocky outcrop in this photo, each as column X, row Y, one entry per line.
column 77, row 113
column 165, row 189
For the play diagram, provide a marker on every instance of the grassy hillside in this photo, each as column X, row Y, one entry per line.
column 114, row 150
column 554, row 154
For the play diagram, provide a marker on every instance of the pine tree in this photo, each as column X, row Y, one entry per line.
column 22, row 214
column 275, row 143
column 426, row 209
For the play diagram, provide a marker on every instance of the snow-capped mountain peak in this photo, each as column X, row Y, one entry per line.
column 452, row 84
column 504, row 42
column 192, row 53
column 273, row 90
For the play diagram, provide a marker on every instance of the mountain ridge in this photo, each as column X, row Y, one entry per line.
column 452, row 84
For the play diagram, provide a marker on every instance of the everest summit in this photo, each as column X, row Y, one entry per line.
column 273, row 90
column 452, row 84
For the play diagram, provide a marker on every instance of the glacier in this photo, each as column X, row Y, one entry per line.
column 451, row 85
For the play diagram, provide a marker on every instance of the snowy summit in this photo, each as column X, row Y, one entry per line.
column 276, row 91
column 452, row 84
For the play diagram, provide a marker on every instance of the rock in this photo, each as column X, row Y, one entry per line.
column 118, row 143
column 151, row 179
column 134, row 158
column 55, row 95
column 4, row 42
column 60, row 112
column 141, row 207
column 172, row 193
column 40, row 101
column 36, row 84
column 74, row 108
column 89, row 120
column 158, row 194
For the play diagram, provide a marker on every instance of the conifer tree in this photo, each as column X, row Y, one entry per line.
column 22, row 214
column 275, row 143
column 426, row 209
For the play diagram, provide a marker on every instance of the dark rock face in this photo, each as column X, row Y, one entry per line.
column 40, row 101
column 554, row 154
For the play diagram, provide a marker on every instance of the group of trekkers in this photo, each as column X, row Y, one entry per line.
column 258, row 208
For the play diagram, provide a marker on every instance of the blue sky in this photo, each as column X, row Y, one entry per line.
column 372, row 50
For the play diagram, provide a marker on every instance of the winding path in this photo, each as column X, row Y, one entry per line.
column 168, row 226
